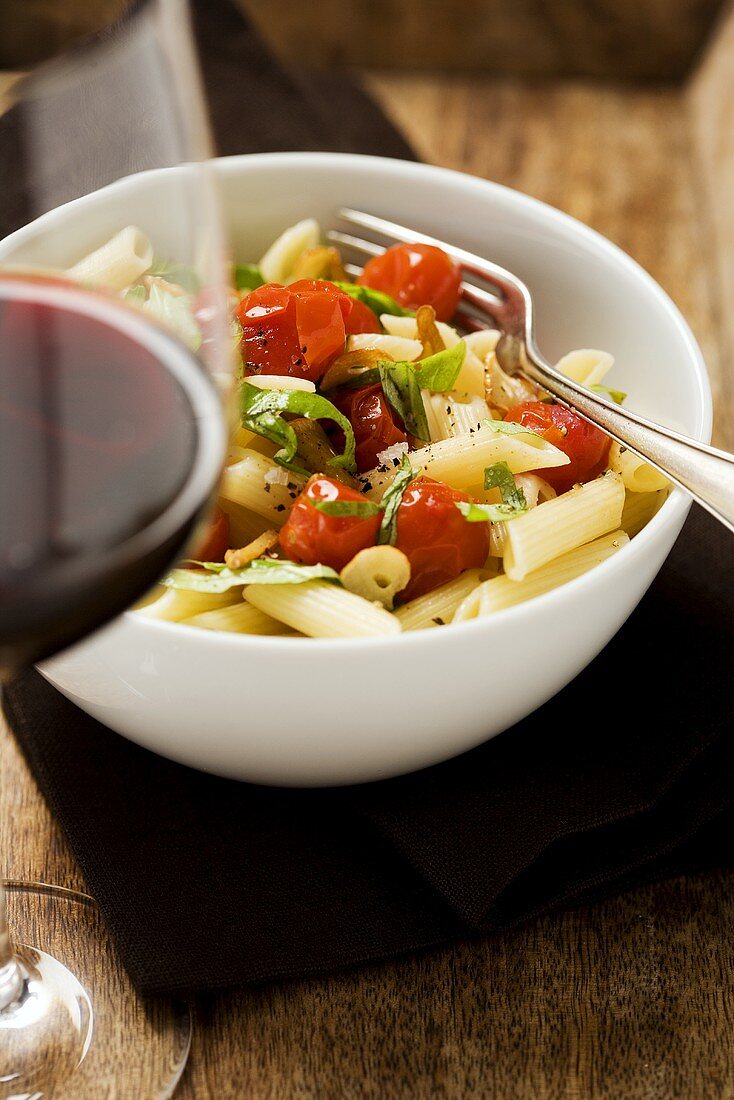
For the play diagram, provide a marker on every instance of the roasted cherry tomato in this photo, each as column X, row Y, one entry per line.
column 310, row 536
column 361, row 319
column 416, row 275
column 586, row 446
column 376, row 425
column 300, row 328
column 292, row 330
column 215, row 539
column 437, row 540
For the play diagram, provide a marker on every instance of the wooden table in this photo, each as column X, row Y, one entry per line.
column 633, row 997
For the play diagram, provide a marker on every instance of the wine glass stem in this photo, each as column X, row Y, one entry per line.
column 11, row 975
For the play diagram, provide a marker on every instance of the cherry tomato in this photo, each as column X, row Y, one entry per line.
column 215, row 539
column 586, row 445
column 416, row 275
column 293, row 330
column 437, row 540
column 361, row 319
column 376, row 425
column 310, row 536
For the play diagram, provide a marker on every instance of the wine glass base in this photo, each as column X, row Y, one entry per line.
column 79, row 1030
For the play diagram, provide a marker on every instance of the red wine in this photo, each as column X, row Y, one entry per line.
column 111, row 443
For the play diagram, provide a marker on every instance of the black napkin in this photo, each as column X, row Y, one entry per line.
column 625, row 776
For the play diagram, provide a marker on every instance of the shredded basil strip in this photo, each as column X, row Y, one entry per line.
column 260, row 571
column 403, row 392
column 180, row 274
column 361, row 508
column 376, row 300
column 262, row 412
column 617, row 396
column 487, row 513
column 499, row 476
column 248, row 277
column 391, row 500
column 439, row 372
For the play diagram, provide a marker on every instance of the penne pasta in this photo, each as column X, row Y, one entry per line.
column 244, row 525
column 239, row 618
column 117, row 263
column 322, row 610
column 639, row 508
column 453, row 414
column 392, row 347
column 501, row 592
column 436, row 608
column 279, row 260
column 638, row 476
column 461, row 462
column 562, row 524
column 257, row 483
column 177, row 604
column 586, row 366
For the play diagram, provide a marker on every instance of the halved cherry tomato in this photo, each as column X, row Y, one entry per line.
column 376, row 425
column 437, row 540
column 310, row 536
column 416, row 275
column 300, row 328
column 215, row 539
column 586, row 445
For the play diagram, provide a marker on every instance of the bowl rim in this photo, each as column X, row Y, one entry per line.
column 673, row 510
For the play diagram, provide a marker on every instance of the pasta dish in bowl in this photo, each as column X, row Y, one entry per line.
column 395, row 510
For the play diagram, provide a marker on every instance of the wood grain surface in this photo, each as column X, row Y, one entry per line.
column 642, row 39
column 633, row 997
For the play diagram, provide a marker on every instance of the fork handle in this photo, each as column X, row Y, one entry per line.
column 706, row 474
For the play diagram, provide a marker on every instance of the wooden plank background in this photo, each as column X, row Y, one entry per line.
column 617, row 39
column 634, row 997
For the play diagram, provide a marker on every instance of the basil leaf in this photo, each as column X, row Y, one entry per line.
column 376, row 300
column 439, row 372
column 174, row 310
column 487, row 513
column 614, row 395
column 402, row 391
column 361, row 508
column 499, row 476
column 248, row 276
column 261, row 412
column 260, row 571
column 508, row 427
column 391, row 502
column 180, row 274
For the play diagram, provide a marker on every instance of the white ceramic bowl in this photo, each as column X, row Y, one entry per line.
column 290, row 711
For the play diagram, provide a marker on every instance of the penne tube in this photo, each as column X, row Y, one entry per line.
column 562, row 524
column 117, row 263
column 259, row 485
column 437, row 608
column 461, row 461
column 280, row 382
column 239, row 618
column 638, row 476
column 484, row 342
column 453, row 414
column 392, row 347
column 280, row 259
column 244, row 525
column 501, row 592
column 587, row 366
column 177, row 604
column 639, row 508
column 322, row 610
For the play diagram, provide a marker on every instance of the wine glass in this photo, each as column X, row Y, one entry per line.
column 113, row 387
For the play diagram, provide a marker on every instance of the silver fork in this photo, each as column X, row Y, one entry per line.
column 704, row 472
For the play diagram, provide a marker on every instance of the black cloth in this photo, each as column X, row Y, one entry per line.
column 625, row 776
